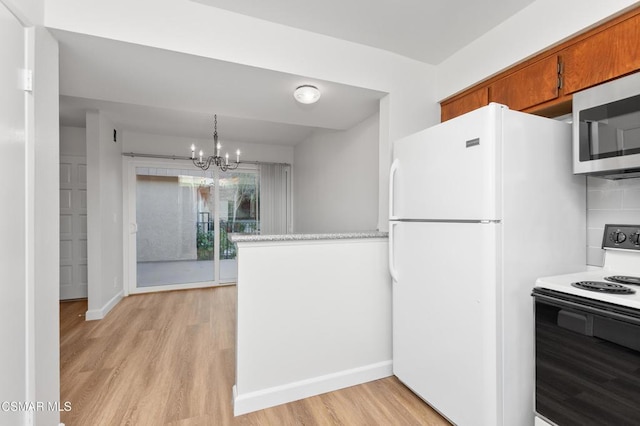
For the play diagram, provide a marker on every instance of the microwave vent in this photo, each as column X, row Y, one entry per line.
column 620, row 174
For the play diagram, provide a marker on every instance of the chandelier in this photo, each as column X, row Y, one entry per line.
column 216, row 159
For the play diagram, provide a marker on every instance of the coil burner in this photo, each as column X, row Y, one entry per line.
column 603, row 287
column 623, row 279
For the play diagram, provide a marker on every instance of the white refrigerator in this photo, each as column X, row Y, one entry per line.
column 480, row 206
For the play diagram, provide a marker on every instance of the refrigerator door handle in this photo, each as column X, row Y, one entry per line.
column 392, row 174
column 392, row 267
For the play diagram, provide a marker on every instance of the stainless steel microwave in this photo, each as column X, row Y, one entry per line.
column 606, row 129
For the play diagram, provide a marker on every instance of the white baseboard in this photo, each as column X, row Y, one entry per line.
column 98, row 314
column 258, row 400
column 72, row 292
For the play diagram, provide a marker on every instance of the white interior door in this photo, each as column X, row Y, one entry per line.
column 12, row 217
column 73, row 227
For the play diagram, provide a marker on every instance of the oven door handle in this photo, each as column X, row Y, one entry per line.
column 588, row 309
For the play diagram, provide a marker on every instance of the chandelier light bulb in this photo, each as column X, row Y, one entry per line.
column 306, row 94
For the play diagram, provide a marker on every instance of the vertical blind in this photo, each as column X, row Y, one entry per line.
column 275, row 198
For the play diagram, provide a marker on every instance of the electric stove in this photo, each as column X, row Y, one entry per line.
column 586, row 337
column 617, row 281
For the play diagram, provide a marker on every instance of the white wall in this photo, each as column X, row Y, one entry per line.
column 542, row 24
column 15, row 284
column 104, row 216
column 146, row 143
column 189, row 27
column 73, row 141
column 39, row 378
column 335, row 180
column 302, row 334
column 46, row 225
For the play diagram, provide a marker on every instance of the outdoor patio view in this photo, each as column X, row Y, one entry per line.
column 175, row 213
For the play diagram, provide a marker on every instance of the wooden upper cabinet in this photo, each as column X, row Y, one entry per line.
column 532, row 85
column 604, row 53
column 458, row 106
column 603, row 56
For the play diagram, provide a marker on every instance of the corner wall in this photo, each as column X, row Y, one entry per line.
column 46, row 250
column 335, row 180
column 104, row 216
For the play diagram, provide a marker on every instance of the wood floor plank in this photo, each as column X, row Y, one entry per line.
column 169, row 359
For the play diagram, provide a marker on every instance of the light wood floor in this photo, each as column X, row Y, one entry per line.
column 168, row 359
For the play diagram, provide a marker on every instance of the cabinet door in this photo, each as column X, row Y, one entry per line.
column 474, row 100
column 604, row 56
column 532, row 85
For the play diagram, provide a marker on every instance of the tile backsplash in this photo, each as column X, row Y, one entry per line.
column 609, row 201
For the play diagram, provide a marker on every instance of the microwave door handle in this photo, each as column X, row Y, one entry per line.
column 620, row 140
column 594, row 137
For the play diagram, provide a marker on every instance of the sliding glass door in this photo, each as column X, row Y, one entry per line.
column 180, row 219
column 239, row 213
column 174, row 243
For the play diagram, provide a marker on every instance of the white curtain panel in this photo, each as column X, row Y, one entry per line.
column 275, row 196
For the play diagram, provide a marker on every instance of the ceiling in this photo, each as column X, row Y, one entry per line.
column 426, row 30
column 158, row 91
column 181, row 123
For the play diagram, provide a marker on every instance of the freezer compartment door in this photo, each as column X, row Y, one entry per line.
column 445, row 316
column 449, row 171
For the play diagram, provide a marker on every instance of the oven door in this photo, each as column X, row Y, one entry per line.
column 587, row 361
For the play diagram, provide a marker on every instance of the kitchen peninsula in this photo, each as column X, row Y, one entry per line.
column 314, row 315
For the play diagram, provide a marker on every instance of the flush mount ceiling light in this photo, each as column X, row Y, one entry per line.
column 306, row 94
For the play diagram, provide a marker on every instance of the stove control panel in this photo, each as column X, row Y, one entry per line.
column 621, row 237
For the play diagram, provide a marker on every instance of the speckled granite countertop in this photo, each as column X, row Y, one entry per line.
column 243, row 238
